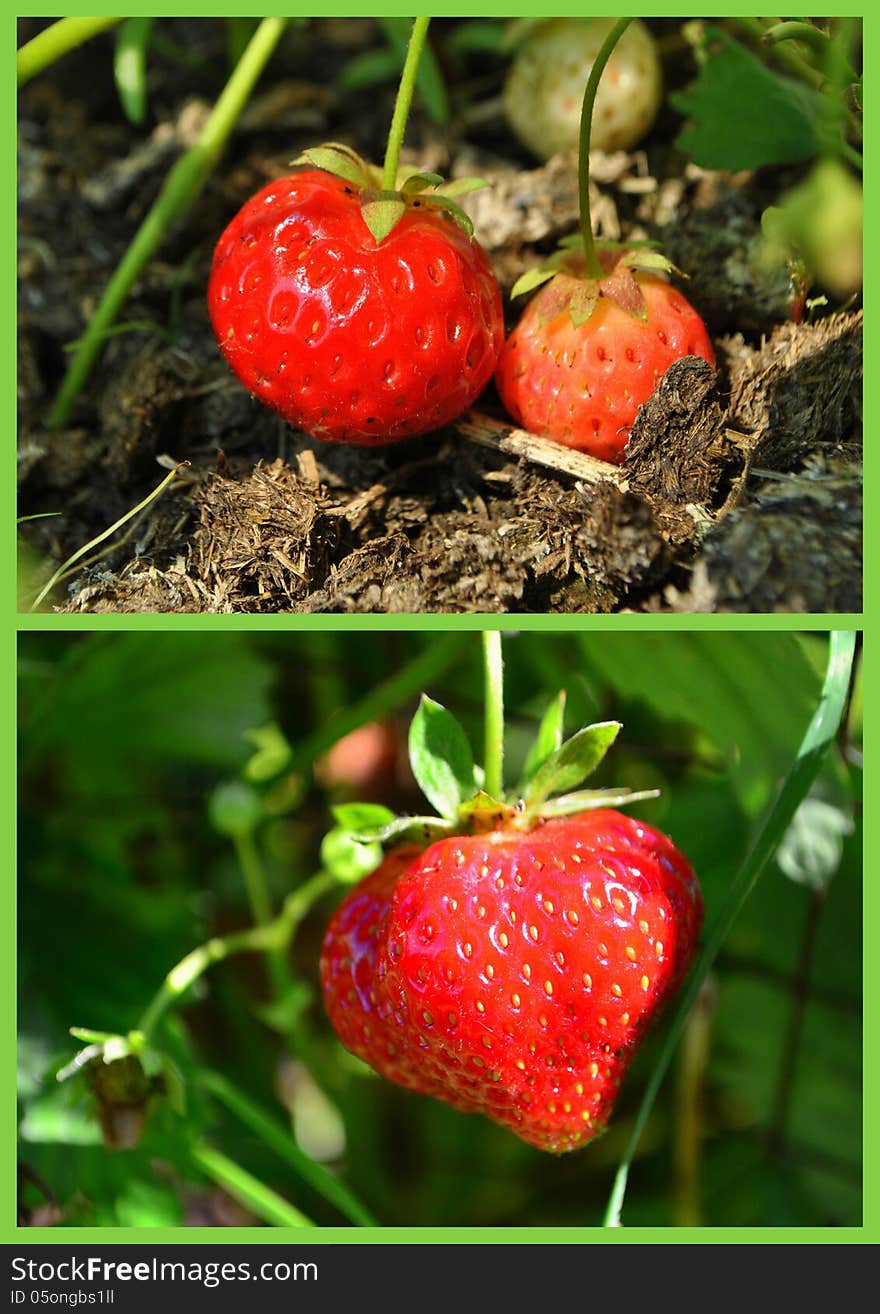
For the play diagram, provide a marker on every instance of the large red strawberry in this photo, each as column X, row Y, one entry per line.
column 512, row 973
column 587, row 353
column 353, row 337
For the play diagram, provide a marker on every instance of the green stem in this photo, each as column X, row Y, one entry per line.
column 179, row 190
column 246, row 1188
column 55, row 41
column 257, row 891
column 279, row 1141
column 594, row 269
column 272, row 937
column 493, row 764
column 403, row 102
column 819, row 736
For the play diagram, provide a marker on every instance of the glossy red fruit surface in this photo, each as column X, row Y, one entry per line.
column 583, row 386
column 513, row 974
column 352, row 340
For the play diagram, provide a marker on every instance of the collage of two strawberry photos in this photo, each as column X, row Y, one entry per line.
column 439, row 632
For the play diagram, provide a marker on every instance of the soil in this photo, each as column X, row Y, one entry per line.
column 741, row 490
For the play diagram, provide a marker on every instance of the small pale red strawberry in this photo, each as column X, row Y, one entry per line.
column 513, row 974
column 351, row 337
column 580, row 378
column 545, row 86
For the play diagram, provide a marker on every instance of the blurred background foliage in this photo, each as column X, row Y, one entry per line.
column 124, row 739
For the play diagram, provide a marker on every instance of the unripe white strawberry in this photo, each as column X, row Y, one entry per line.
column 545, row 86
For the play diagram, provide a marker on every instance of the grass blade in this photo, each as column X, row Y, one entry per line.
column 247, row 1189
column 819, row 736
column 281, row 1143
column 130, row 66
column 179, row 191
column 55, row 41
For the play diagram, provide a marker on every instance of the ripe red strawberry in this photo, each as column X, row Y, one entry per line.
column 512, row 974
column 582, row 383
column 353, row 339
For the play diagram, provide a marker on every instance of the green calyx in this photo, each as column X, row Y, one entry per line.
column 443, row 765
column 382, row 208
column 572, row 288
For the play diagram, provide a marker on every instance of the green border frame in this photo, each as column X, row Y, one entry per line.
column 14, row 622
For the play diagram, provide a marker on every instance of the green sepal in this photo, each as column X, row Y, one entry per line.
column 531, row 279
column 421, row 829
column 440, row 201
column 584, row 301
column 441, row 758
column 639, row 258
column 548, row 739
column 577, row 758
column 420, row 182
column 586, row 800
column 483, row 812
column 339, row 160
column 462, row 186
column 622, row 287
column 382, row 211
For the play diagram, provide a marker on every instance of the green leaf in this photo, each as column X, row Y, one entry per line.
column 571, row 763
column 548, row 739
column 369, row 69
column 441, row 758
column 272, row 755
column 382, row 211
column 812, row 847
column 362, row 816
column 348, row 858
column 454, row 212
column 130, row 66
column 743, row 115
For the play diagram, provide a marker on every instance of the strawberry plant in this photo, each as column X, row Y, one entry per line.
column 588, row 351
column 197, row 881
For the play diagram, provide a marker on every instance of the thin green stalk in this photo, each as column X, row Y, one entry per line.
column 272, row 937
column 279, row 1141
column 179, row 191
column 440, row 654
column 55, row 41
column 80, row 552
column 594, row 269
column 247, row 1189
column 819, row 736
column 257, row 890
column 403, row 102
column 493, row 764
column 688, row 1128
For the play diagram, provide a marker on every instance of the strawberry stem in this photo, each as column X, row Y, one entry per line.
column 493, row 764
column 403, row 102
column 594, row 269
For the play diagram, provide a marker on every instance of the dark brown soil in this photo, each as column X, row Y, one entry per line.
column 741, row 490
